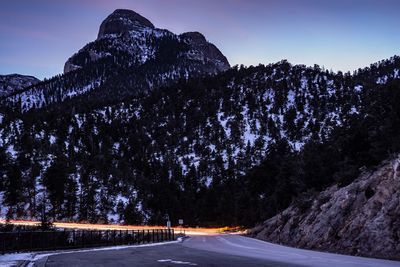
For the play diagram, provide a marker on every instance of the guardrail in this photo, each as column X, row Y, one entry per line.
column 68, row 239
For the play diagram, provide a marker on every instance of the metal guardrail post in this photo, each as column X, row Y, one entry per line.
column 2, row 238
column 18, row 241
column 83, row 238
column 54, row 239
column 74, row 238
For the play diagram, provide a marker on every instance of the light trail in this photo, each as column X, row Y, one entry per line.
column 90, row 226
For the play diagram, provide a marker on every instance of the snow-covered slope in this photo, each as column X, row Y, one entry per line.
column 196, row 134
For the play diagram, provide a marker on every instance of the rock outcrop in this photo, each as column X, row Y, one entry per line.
column 362, row 218
column 122, row 21
column 205, row 51
column 127, row 32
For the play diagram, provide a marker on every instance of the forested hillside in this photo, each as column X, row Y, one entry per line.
column 233, row 148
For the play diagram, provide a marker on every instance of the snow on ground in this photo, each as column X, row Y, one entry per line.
column 79, row 120
column 223, row 122
column 382, row 80
column 13, row 153
column 291, row 97
column 248, row 135
column 331, row 88
column 113, row 215
column 52, row 139
column 304, row 83
column 12, row 259
column 79, row 91
column 358, row 88
column 396, row 74
column 30, row 99
column 208, row 181
column 121, row 198
column 116, row 146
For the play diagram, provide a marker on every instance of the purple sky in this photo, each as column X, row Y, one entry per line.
column 36, row 37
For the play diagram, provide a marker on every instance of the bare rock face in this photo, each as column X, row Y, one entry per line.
column 362, row 218
column 205, row 51
column 122, row 21
column 126, row 32
column 69, row 66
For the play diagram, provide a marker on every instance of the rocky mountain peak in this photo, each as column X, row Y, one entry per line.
column 127, row 32
column 194, row 37
column 122, row 21
column 205, row 51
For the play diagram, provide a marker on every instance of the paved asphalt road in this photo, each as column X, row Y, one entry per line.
column 218, row 250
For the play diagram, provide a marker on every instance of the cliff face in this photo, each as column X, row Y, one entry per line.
column 127, row 36
column 122, row 21
column 362, row 218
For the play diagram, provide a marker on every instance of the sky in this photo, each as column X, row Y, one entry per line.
column 38, row 36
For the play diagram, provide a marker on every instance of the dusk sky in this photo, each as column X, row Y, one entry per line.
column 37, row 37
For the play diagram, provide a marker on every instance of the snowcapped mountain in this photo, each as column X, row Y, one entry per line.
column 145, row 122
column 130, row 55
column 12, row 83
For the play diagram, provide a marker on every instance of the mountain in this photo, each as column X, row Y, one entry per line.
column 128, row 32
column 231, row 148
column 146, row 124
column 361, row 218
column 12, row 83
column 129, row 56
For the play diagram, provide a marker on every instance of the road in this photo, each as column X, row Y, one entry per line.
column 215, row 250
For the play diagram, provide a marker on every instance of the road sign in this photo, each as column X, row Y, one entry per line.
column 180, row 221
column 169, row 224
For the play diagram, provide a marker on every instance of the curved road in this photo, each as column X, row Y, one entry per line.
column 216, row 250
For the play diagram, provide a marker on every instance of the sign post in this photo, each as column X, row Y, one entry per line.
column 180, row 221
